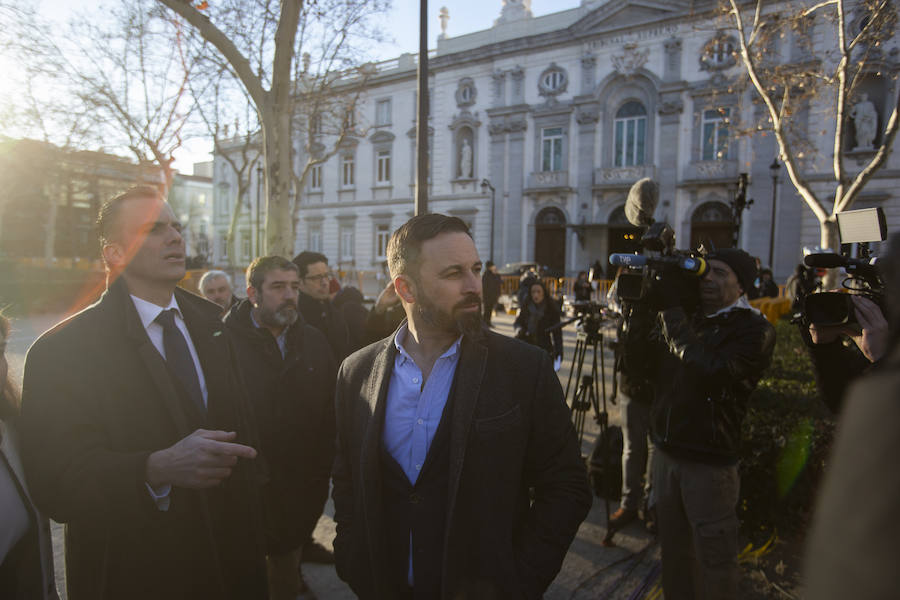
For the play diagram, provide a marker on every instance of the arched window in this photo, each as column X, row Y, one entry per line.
column 630, row 134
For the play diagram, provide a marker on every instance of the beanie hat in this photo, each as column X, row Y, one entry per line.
column 743, row 265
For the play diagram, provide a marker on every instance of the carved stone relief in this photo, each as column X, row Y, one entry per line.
column 630, row 60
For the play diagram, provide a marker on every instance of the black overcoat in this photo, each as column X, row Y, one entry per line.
column 510, row 431
column 97, row 400
column 293, row 400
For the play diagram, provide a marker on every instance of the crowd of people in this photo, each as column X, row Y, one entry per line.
column 189, row 444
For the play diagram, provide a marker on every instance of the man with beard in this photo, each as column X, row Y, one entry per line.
column 443, row 428
column 289, row 374
column 703, row 372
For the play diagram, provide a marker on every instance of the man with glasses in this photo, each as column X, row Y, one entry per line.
column 315, row 302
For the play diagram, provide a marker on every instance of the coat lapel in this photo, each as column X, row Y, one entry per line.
column 376, row 393
column 117, row 296
column 469, row 374
column 212, row 350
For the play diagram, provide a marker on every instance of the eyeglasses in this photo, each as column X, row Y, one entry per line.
column 320, row 278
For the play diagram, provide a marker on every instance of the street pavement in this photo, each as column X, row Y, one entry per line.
column 590, row 570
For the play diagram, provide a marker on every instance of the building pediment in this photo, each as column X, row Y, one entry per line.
column 614, row 16
column 381, row 137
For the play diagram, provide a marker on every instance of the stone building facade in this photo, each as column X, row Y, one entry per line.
column 560, row 115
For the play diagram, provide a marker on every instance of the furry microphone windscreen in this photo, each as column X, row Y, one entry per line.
column 641, row 203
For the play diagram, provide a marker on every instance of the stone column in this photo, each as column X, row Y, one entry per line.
column 588, row 62
column 586, row 116
column 497, row 177
column 518, row 86
column 671, row 110
column 499, row 88
column 515, row 221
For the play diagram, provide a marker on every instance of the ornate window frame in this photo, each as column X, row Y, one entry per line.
column 718, row 53
column 466, row 92
column 554, row 80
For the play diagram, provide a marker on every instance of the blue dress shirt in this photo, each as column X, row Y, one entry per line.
column 413, row 411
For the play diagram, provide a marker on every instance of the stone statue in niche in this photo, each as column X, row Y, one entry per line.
column 465, row 159
column 865, row 121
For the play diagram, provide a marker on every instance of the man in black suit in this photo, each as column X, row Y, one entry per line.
column 289, row 373
column 136, row 432
column 442, row 430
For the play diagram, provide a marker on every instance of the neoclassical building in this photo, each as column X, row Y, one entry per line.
column 560, row 115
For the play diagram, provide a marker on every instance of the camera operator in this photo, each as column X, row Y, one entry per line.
column 635, row 395
column 704, row 370
column 536, row 315
column 852, row 549
column 836, row 360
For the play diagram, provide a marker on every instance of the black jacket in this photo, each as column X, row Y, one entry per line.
column 329, row 320
column 551, row 341
column 707, row 368
column 509, row 431
column 293, row 398
column 836, row 365
column 97, row 400
column 491, row 285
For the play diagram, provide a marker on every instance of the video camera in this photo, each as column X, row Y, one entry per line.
column 860, row 227
column 660, row 259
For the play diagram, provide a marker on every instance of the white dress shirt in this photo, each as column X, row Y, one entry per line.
column 148, row 311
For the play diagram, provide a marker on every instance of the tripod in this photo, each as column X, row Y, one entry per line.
column 586, row 395
column 589, row 390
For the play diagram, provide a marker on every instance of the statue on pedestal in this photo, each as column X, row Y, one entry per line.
column 865, row 121
column 465, row 159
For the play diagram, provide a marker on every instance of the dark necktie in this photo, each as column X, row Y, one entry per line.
column 178, row 357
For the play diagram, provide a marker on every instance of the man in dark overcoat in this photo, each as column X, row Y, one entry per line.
column 289, row 372
column 443, row 428
column 136, row 432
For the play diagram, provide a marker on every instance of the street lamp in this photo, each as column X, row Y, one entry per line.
column 258, row 199
column 773, row 169
column 485, row 186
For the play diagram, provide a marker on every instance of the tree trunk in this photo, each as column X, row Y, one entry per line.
column 828, row 238
column 279, row 235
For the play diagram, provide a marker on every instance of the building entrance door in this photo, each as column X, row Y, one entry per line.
column 712, row 222
column 550, row 240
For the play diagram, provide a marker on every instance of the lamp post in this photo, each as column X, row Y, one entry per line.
column 486, row 185
column 258, row 200
column 773, row 169
column 421, row 189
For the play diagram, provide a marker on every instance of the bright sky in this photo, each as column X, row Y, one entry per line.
column 466, row 16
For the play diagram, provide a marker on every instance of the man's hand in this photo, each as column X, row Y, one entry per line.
column 204, row 459
column 872, row 337
column 871, row 334
column 386, row 299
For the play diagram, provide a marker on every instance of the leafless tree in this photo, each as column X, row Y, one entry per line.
column 117, row 80
column 287, row 56
column 842, row 45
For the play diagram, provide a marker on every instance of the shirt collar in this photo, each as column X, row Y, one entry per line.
column 741, row 302
column 404, row 355
column 148, row 311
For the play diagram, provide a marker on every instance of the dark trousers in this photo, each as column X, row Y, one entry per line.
column 698, row 528
column 489, row 305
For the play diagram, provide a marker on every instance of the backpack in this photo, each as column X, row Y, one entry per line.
column 605, row 464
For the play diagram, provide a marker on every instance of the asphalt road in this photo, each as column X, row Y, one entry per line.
column 589, row 571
